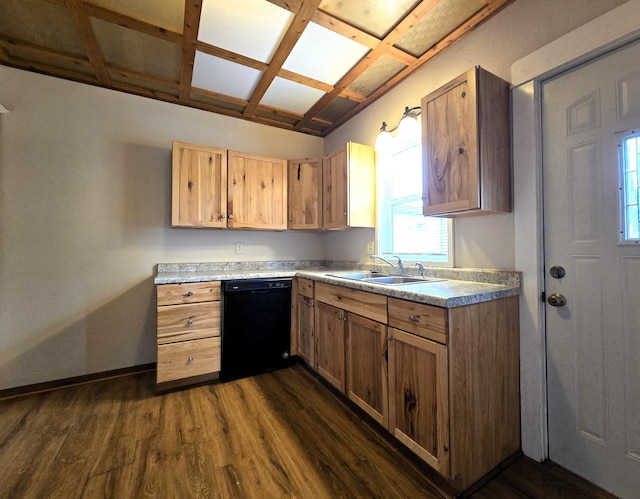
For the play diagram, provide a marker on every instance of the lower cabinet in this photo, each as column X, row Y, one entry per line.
column 188, row 334
column 305, row 320
column 419, row 397
column 330, row 334
column 367, row 366
column 444, row 382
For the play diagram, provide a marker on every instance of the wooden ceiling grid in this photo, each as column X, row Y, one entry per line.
column 94, row 69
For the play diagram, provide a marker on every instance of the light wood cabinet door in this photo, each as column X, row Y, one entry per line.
column 257, row 192
column 419, row 397
column 330, row 341
column 366, row 378
column 305, row 176
column 466, row 146
column 349, row 187
column 306, row 330
column 334, row 190
column 198, row 186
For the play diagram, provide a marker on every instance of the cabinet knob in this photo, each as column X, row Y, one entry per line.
column 190, row 293
column 190, row 322
column 222, row 217
column 412, row 318
column 190, row 360
column 230, row 217
column 389, row 337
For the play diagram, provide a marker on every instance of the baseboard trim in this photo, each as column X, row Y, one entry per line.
column 48, row 386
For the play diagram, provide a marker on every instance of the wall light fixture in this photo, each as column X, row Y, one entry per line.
column 407, row 129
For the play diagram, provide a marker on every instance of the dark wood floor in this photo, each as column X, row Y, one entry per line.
column 281, row 434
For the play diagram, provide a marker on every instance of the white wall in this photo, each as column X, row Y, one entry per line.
column 521, row 28
column 84, row 217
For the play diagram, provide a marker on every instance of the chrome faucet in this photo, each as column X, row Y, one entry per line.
column 420, row 269
column 399, row 267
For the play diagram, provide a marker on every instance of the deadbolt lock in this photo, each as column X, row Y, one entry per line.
column 557, row 272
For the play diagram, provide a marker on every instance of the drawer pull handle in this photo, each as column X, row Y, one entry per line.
column 190, row 322
column 190, row 293
column 412, row 318
column 190, row 360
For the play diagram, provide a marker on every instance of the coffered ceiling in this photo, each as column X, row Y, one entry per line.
column 305, row 65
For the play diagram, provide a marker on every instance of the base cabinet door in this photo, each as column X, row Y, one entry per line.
column 419, row 397
column 306, row 331
column 330, row 352
column 367, row 366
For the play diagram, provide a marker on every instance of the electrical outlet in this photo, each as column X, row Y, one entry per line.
column 239, row 247
column 370, row 248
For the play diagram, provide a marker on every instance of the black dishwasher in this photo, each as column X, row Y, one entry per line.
column 256, row 326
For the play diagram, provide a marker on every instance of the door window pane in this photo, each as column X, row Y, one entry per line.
column 630, row 189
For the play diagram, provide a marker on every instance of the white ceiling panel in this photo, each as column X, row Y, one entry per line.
column 323, row 54
column 252, row 28
column 291, row 96
column 225, row 77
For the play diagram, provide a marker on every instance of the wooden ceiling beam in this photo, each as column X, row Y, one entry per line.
column 292, row 35
column 192, row 12
column 408, row 22
column 87, row 35
column 43, row 52
column 221, row 97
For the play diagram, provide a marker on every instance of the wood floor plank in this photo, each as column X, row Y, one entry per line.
column 282, row 434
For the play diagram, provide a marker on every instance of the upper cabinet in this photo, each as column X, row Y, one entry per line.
column 198, row 186
column 216, row 188
column 348, row 187
column 257, row 192
column 466, row 146
column 304, row 193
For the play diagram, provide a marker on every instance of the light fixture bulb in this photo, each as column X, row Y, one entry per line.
column 408, row 128
column 383, row 140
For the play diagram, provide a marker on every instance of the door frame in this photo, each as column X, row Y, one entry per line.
column 605, row 33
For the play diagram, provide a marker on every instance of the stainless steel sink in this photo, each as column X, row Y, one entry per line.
column 384, row 279
column 398, row 279
column 361, row 276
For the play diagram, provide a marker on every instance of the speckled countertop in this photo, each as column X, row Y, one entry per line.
column 458, row 287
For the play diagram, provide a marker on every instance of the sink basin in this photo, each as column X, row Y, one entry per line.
column 400, row 279
column 361, row 276
column 382, row 278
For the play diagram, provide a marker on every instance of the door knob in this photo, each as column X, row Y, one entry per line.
column 557, row 300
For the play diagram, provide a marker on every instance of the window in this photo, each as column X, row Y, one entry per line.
column 402, row 230
column 629, row 189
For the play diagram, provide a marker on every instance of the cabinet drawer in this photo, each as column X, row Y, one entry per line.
column 305, row 287
column 188, row 322
column 188, row 292
column 417, row 318
column 370, row 305
column 185, row 359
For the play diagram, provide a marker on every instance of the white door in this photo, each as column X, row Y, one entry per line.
column 593, row 341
